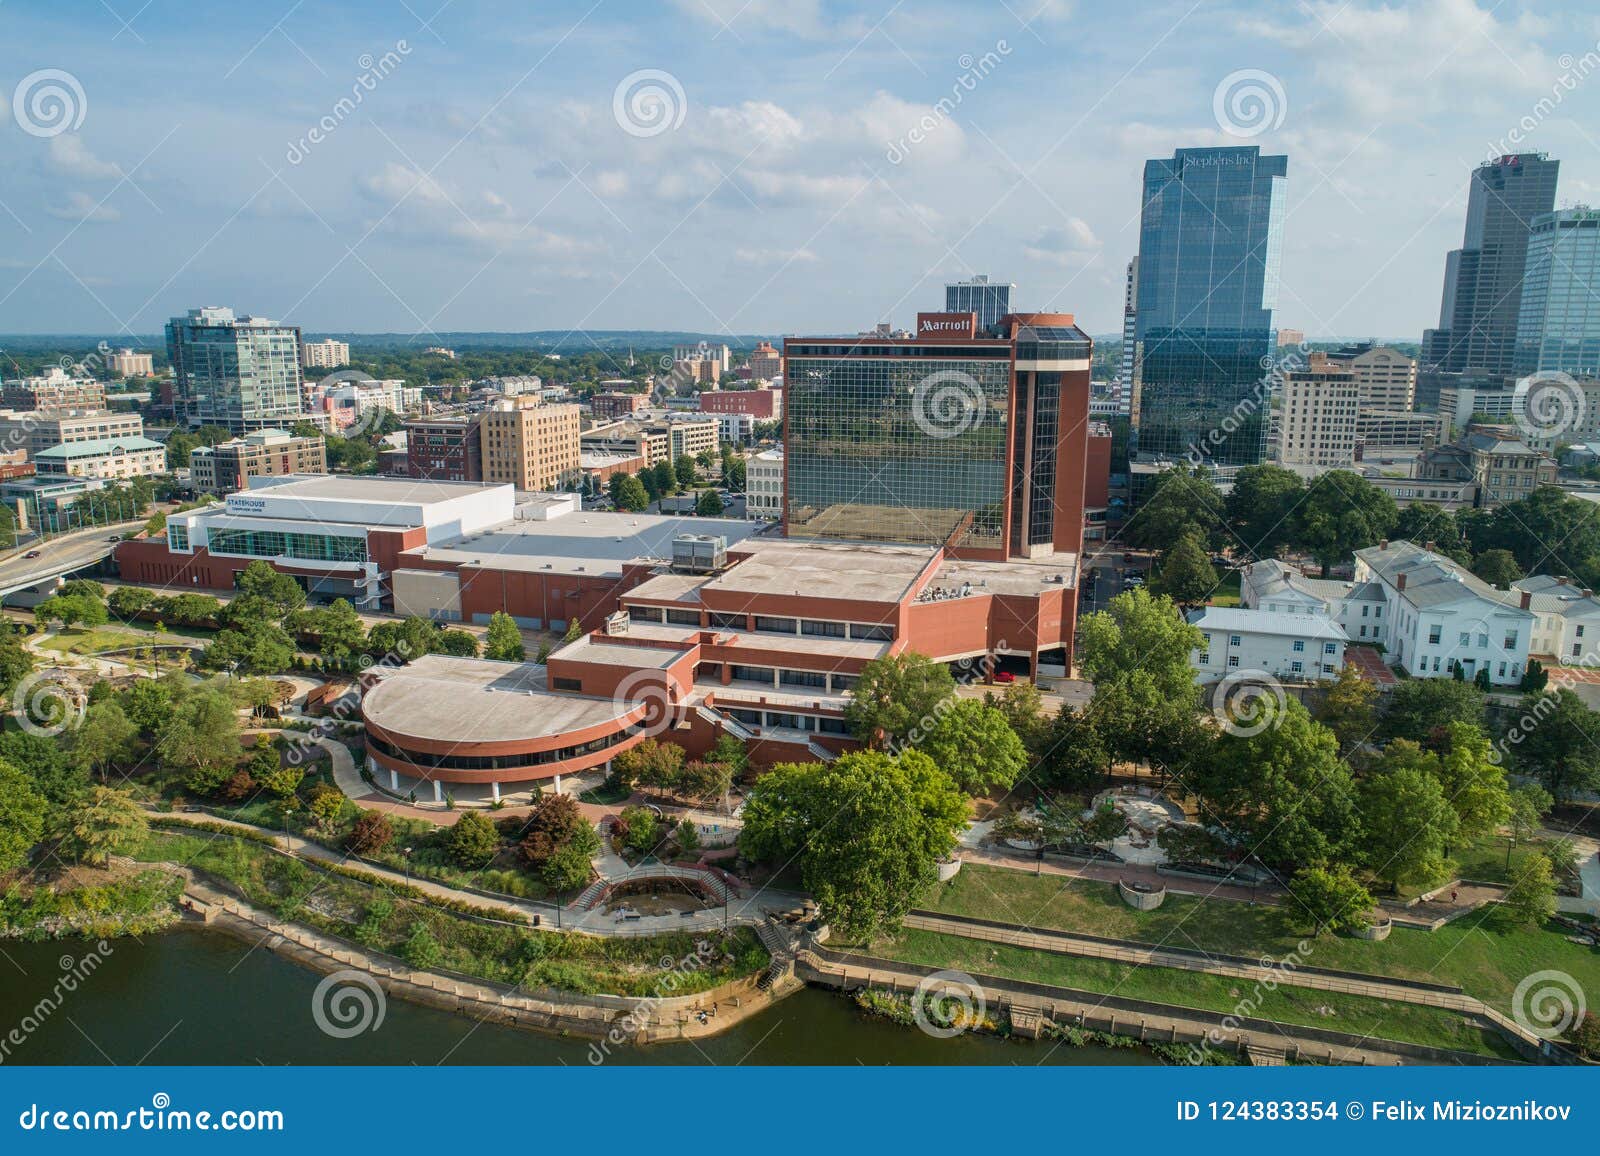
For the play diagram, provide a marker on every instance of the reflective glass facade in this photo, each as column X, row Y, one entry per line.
column 234, row 372
column 277, row 544
column 1558, row 326
column 898, row 441
column 989, row 302
column 1210, row 246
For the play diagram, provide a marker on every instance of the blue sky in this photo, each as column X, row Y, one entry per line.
column 771, row 181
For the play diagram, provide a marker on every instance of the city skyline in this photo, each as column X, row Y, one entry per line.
column 363, row 169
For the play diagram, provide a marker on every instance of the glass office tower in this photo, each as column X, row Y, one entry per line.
column 989, row 301
column 1558, row 325
column 241, row 373
column 1210, row 245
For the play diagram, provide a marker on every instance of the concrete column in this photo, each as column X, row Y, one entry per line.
column 494, row 790
column 438, row 791
column 558, row 779
column 394, row 779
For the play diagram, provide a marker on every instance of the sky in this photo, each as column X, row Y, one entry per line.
column 738, row 166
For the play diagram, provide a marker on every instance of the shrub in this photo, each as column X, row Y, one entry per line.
column 638, row 830
column 473, row 841
column 372, row 833
column 422, row 950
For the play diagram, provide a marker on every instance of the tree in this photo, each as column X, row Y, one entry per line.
column 82, row 588
column 22, row 814
column 1185, row 573
column 1347, row 709
column 1586, row 1035
column 1180, row 501
column 278, row 780
column 866, row 830
column 628, row 493
column 278, row 590
column 1072, row 755
column 568, row 869
column 896, row 699
column 129, row 601
column 975, row 746
column 1420, row 706
column 1331, row 897
column 103, row 822
column 1531, row 896
column 1341, row 513
column 342, row 633
column 1260, row 507
column 730, row 752
column 370, row 834
column 502, row 641
column 704, row 779
column 1136, row 652
column 260, row 648
column 201, row 734
column 1497, row 567
column 709, row 504
column 421, row 950
column 574, row 631
column 473, row 841
column 45, row 762
column 407, row 640
column 556, row 825
column 1423, row 524
column 1557, row 735
column 1283, row 791
column 1022, row 705
column 1408, row 822
column 650, row 763
column 71, row 610
column 1473, row 782
column 685, row 469
column 665, row 478
column 1548, row 532
column 16, row 663
column 457, row 643
column 150, row 702
column 1529, row 804
column 1534, row 677
column 105, row 738
column 638, row 830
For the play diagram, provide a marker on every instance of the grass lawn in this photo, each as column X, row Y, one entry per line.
column 1484, row 953
column 1357, row 1015
column 1227, row 591
column 386, row 920
column 103, row 638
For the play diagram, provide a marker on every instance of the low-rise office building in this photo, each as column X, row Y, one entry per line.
column 531, row 445
column 130, row 363
column 109, row 458
column 609, row 406
column 763, row 484
column 445, row 449
column 227, row 466
column 54, row 389
column 38, row 430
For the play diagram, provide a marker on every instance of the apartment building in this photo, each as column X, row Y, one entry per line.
column 610, row 406
column 53, row 389
column 110, row 458
column 445, row 449
column 531, row 445
column 1292, row 647
column 130, row 363
column 1317, row 418
column 1386, row 379
column 37, row 430
column 326, row 354
column 224, row 468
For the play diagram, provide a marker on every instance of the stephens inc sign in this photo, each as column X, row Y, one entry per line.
column 947, row 324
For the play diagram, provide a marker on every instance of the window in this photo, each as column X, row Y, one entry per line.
column 567, row 684
column 1433, row 635
column 1233, row 640
column 1299, row 646
column 1233, row 660
column 1205, row 659
column 1464, row 639
column 178, row 539
column 1296, row 667
column 683, row 617
column 728, row 621
column 1483, row 642
column 1578, row 633
column 1363, row 632
column 872, row 633
column 822, row 629
column 1510, row 641
column 1328, row 648
column 644, row 613
column 1206, row 640
column 845, row 682
column 802, row 678
column 1377, row 612
column 1502, row 670
column 775, row 625
column 753, row 674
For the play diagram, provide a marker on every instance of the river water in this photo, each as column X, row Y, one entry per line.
column 194, row 997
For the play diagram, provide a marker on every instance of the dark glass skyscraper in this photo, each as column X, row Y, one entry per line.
column 989, row 301
column 1559, row 324
column 1210, row 244
column 1483, row 279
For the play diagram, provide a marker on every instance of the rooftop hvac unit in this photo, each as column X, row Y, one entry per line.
column 699, row 553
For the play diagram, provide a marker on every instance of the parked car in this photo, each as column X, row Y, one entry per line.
column 1004, row 676
column 1129, row 581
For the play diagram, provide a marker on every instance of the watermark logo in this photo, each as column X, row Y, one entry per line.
column 361, row 404
column 1271, row 972
column 1248, row 702
column 372, row 71
column 947, row 1004
column 1547, row 405
column 973, row 71
column 49, row 102
column 73, row 974
column 650, row 688
column 1548, row 1004
column 649, row 102
column 347, row 1004
column 48, row 703
column 1249, row 102
column 947, row 404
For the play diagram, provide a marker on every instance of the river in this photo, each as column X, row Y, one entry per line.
column 197, row 997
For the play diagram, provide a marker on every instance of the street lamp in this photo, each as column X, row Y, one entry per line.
column 408, row 866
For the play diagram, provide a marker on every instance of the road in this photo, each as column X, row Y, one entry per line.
column 60, row 555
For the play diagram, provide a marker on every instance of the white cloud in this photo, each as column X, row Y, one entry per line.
column 80, row 206
column 1067, row 244
column 70, row 156
column 803, row 18
column 775, row 256
column 790, row 186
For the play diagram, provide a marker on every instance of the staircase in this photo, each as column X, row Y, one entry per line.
column 780, row 945
column 1263, row 1056
column 732, row 725
column 711, row 883
column 1027, row 1020
column 590, row 895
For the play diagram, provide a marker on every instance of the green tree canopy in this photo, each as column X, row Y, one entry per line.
column 22, row 816
column 1342, row 512
column 897, row 697
column 1185, row 573
column 1420, row 706
column 975, row 746
column 1558, row 748
column 502, row 641
column 1497, row 567
column 1409, row 825
column 103, row 822
column 1180, row 501
column 1349, row 709
column 1330, row 897
column 866, row 830
column 1260, row 508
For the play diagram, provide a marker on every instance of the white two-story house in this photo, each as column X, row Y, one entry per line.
column 1567, row 620
column 1291, row 647
column 1278, row 588
column 1438, row 613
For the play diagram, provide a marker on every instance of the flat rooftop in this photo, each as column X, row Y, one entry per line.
column 597, row 649
column 1024, row 576
column 401, row 491
column 860, row 572
column 583, row 542
column 474, row 700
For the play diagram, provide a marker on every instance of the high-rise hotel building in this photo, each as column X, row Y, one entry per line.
column 951, row 436
column 1210, row 245
column 241, row 373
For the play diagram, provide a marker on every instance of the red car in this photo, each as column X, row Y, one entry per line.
column 1004, row 676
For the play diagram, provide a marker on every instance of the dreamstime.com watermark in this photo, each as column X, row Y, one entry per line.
column 1248, row 702
column 1547, row 405
column 48, row 703
column 1249, row 102
column 972, row 670
column 160, row 1116
column 73, row 974
column 1574, row 71
column 948, row 404
column 1274, row 368
column 948, row 1003
column 649, row 102
column 973, row 71
column 49, row 102
column 374, row 70
column 1548, row 1003
column 1251, row 1001
column 644, row 1013
column 348, row 1003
